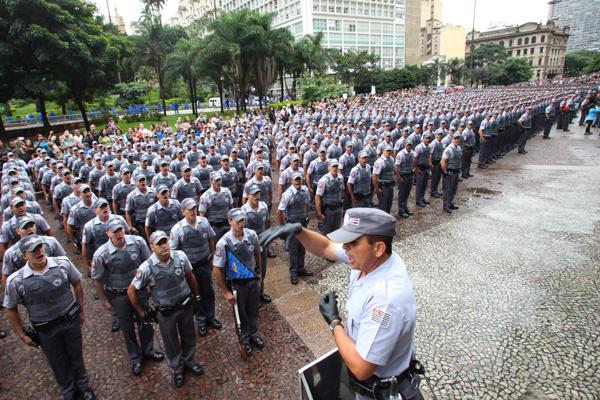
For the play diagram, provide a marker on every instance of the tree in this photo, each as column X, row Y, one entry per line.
column 316, row 87
column 212, row 62
column 282, row 47
column 131, row 93
column 593, row 65
column 182, row 62
column 489, row 53
column 7, row 67
column 349, row 65
column 456, row 69
column 514, row 70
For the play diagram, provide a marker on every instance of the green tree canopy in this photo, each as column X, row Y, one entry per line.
column 349, row 65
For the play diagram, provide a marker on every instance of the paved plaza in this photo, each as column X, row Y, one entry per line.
column 507, row 292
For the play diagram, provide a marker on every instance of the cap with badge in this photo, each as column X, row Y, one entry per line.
column 101, row 202
column 363, row 153
column 296, row 175
column 158, row 236
column 30, row 243
column 254, row 189
column 24, row 221
column 17, row 201
column 161, row 189
column 364, row 221
column 333, row 162
column 294, row 157
column 224, row 157
column 115, row 225
column 140, row 177
column 236, row 214
column 84, row 187
column 188, row 203
column 215, row 176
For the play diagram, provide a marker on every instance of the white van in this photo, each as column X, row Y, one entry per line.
column 214, row 102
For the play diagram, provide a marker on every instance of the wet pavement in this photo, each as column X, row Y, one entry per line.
column 507, row 291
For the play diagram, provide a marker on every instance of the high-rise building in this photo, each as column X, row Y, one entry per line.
column 439, row 40
column 543, row 46
column 378, row 26
column 412, row 32
column 581, row 16
column 430, row 9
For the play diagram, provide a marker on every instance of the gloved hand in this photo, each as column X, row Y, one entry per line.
column 197, row 304
column 328, row 307
column 285, row 232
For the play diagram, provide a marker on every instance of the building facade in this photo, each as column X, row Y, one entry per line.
column 377, row 26
column 444, row 41
column 543, row 46
column 581, row 16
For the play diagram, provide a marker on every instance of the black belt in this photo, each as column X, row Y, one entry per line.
column 453, row 170
column 69, row 316
column 387, row 184
column 424, row 166
column 336, row 205
column 369, row 387
column 361, row 196
column 406, row 173
column 200, row 262
column 436, row 161
column 115, row 292
column 185, row 303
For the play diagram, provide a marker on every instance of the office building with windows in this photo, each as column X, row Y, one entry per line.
column 543, row 46
column 581, row 16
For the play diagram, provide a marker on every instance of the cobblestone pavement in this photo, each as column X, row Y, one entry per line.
column 507, row 291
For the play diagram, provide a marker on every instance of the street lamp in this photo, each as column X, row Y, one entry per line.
column 472, row 41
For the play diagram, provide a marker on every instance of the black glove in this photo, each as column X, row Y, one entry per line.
column 149, row 316
column 328, row 307
column 33, row 334
column 197, row 305
column 285, row 232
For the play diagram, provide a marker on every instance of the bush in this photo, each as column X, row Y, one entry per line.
column 142, row 117
column 287, row 103
column 317, row 87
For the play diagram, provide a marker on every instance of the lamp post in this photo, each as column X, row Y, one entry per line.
column 472, row 41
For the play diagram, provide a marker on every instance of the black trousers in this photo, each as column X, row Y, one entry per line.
column 404, row 188
column 436, row 175
column 179, row 337
column 62, row 346
column 297, row 254
column 128, row 319
column 203, row 273
column 421, row 188
column 248, row 300
column 522, row 141
column 450, row 186
column 548, row 126
column 467, row 156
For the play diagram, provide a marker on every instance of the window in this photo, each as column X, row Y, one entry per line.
column 532, row 50
column 319, row 24
column 501, row 43
column 351, row 27
column 510, row 43
column 533, row 39
column 541, row 50
column 518, row 53
column 334, row 25
column 519, row 42
column 526, row 40
column 524, row 52
column 543, row 38
column 540, row 61
column 388, row 28
column 509, row 53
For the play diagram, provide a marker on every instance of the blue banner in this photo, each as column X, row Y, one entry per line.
column 236, row 269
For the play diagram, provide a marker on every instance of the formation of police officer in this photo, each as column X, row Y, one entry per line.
column 185, row 184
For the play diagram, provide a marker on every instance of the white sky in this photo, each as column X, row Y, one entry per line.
column 457, row 12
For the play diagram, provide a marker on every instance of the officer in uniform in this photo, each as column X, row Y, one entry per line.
column 257, row 214
column 378, row 344
column 243, row 243
column 451, row 169
column 80, row 214
column 114, row 266
column 485, row 135
column 195, row 237
column 202, row 172
column 422, row 162
column 164, row 176
column 187, row 187
column 549, row 116
column 525, row 123
column 214, row 205
column 43, row 286
column 168, row 274
column 108, row 182
column 383, row 179
column 316, row 170
column 294, row 208
column 137, row 204
column 120, row 193
column 437, row 148
column 469, row 142
column 164, row 214
column 329, row 198
column 404, row 169
column 359, row 182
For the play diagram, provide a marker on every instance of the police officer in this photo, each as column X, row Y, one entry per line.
column 114, row 266
column 383, row 179
column 422, row 163
column 451, row 169
column 164, row 176
column 137, row 204
column 549, row 116
column 164, row 214
column 404, row 169
column 378, row 344
column 469, row 142
column 244, row 244
column 186, row 187
column 359, row 182
column 294, row 208
column 215, row 203
column 80, row 214
column 195, row 237
column 315, row 171
column 257, row 213
column 120, row 193
column 437, row 148
column 485, row 134
column 43, row 286
column 168, row 275
column 108, row 182
column 525, row 122
column 329, row 198
column 347, row 162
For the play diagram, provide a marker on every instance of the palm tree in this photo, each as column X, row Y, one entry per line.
column 150, row 40
column 456, row 70
column 182, row 62
column 282, row 48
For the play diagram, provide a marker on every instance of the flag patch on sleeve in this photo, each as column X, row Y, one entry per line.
column 381, row 317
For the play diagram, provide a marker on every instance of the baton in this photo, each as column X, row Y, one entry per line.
column 238, row 327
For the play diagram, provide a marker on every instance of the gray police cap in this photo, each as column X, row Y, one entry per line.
column 30, row 243
column 115, row 225
column 157, row 236
column 16, row 201
column 24, row 221
column 101, row 202
column 188, row 203
column 236, row 214
column 254, row 189
column 161, row 189
column 364, row 221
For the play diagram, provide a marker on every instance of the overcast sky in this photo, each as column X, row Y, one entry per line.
column 458, row 12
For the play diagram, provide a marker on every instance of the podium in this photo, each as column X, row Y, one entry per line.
column 326, row 378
